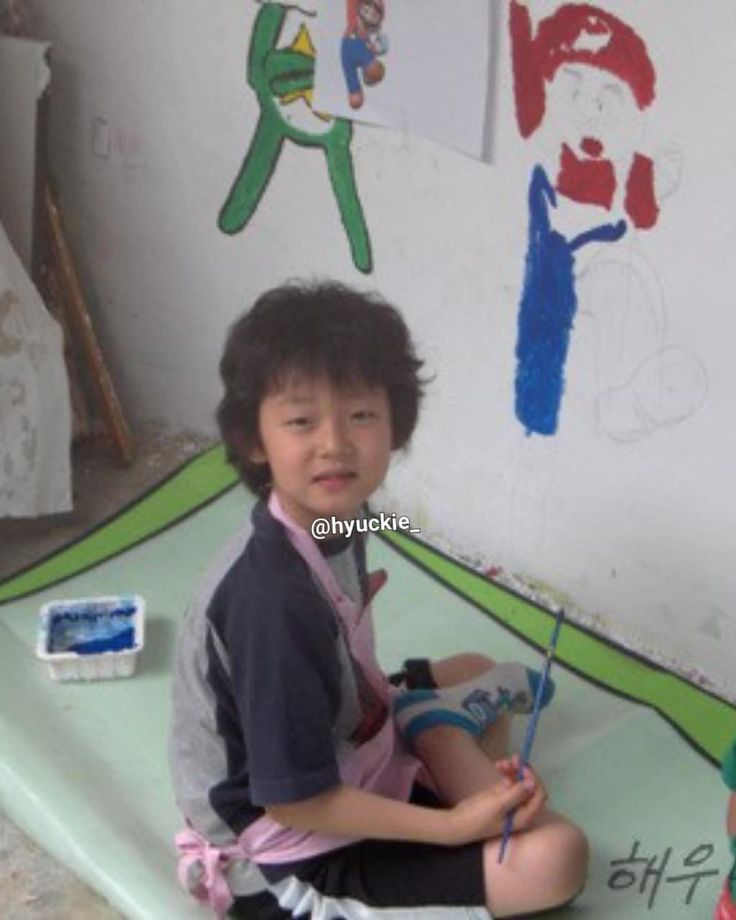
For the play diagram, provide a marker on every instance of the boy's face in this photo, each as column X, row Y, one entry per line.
column 328, row 449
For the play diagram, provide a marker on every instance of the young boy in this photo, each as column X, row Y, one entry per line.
column 304, row 796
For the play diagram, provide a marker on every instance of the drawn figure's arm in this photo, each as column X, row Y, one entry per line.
column 605, row 233
column 668, row 170
column 351, row 8
column 541, row 193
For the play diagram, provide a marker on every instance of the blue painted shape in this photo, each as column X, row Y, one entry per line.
column 92, row 627
column 112, row 642
column 547, row 309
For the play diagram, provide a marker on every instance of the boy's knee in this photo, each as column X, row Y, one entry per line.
column 460, row 668
column 550, row 866
column 560, row 861
column 570, row 854
column 478, row 664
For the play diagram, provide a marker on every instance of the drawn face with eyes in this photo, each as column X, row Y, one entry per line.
column 594, row 113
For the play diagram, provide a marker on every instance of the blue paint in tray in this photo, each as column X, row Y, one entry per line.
column 92, row 627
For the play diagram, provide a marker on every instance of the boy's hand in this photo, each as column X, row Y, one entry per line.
column 482, row 815
column 509, row 770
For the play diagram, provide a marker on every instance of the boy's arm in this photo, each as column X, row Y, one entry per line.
column 345, row 811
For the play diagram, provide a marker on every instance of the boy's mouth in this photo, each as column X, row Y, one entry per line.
column 333, row 480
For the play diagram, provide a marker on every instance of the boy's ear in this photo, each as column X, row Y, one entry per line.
column 252, row 453
column 256, row 454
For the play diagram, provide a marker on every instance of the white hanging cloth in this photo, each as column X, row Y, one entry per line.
column 35, row 410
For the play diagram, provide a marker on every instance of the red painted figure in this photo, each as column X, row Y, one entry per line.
column 611, row 78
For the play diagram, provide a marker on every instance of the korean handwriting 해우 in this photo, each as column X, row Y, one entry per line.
column 648, row 872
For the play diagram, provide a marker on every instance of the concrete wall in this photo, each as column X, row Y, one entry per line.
column 629, row 509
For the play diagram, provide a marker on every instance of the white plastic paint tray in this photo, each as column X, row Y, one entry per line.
column 91, row 638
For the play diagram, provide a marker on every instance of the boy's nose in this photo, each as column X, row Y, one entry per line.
column 334, row 440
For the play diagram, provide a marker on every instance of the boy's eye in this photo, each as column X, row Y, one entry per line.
column 298, row 421
column 364, row 415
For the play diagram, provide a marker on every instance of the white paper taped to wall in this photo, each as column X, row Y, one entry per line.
column 35, row 410
column 424, row 68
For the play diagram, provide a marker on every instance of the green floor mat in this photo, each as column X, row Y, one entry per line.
column 83, row 768
column 199, row 481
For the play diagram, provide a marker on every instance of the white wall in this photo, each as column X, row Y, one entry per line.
column 23, row 78
column 638, row 533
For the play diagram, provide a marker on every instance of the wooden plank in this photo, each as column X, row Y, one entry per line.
column 54, row 300
column 81, row 322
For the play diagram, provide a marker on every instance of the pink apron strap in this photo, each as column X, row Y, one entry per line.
column 358, row 628
column 196, row 852
column 307, row 549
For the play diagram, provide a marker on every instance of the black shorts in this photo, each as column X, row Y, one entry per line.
column 393, row 879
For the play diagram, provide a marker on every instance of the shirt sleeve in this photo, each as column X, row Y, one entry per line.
column 286, row 682
column 351, row 9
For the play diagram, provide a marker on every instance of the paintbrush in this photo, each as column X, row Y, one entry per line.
column 531, row 728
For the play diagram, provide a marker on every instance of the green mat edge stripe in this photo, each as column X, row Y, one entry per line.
column 488, row 583
column 708, row 736
column 45, row 573
column 108, row 538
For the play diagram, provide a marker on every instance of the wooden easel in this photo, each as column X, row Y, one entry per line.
column 66, row 300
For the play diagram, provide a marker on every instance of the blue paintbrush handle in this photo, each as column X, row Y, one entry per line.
column 531, row 728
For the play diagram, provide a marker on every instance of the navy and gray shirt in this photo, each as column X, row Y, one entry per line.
column 265, row 692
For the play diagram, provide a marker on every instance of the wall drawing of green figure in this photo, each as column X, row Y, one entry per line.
column 278, row 76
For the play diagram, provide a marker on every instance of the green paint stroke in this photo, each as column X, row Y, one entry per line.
column 707, row 721
column 273, row 72
column 196, row 483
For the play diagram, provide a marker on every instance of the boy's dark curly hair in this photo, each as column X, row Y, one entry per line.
column 318, row 329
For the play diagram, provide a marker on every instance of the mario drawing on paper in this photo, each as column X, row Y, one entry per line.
column 362, row 44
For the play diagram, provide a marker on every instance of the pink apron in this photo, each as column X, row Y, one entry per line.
column 381, row 765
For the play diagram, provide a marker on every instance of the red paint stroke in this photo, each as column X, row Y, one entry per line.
column 592, row 146
column 585, row 34
column 493, row 572
column 592, row 181
column 574, row 33
column 640, row 202
column 585, row 180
